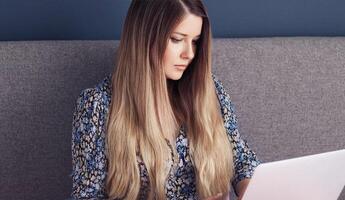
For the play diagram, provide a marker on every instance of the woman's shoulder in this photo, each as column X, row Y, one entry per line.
column 104, row 86
column 222, row 93
column 91, row 110
column 103, row 89
column 226, row 105
column 99, row 94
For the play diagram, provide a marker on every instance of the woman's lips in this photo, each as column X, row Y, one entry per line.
column 181, row 67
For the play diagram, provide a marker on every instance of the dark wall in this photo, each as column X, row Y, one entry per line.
column 103, row 19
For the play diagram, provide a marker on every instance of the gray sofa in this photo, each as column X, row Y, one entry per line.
column 289, row 95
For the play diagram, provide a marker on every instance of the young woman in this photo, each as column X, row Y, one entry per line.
column 161, row 126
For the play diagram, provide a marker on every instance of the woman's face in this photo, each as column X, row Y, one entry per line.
column 181, row 46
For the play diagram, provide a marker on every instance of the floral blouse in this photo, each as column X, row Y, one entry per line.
column 90, row 162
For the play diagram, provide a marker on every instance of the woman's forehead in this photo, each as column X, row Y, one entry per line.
column 190, row 26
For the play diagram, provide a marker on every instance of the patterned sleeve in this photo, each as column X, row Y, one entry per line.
column 88, row 157
column 245, row 159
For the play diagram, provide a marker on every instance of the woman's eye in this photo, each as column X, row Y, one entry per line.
column 175, row 40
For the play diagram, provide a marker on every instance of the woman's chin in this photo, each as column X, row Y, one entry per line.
column 175, row 76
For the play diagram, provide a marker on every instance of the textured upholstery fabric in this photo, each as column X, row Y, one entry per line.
column 289, row 95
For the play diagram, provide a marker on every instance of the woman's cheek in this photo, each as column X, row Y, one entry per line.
column 177, row 49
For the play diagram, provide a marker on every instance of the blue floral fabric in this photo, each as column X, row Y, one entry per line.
column 90, row 162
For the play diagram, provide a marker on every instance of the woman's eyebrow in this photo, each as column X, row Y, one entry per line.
column 186, row 34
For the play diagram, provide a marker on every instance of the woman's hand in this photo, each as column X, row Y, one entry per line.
column 241, row 188
column 220, row 196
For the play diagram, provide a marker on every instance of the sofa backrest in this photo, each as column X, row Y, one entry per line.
column 288, row 93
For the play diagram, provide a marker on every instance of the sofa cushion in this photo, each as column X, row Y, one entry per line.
column 288, row 93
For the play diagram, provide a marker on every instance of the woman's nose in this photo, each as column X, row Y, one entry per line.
column 188, row 51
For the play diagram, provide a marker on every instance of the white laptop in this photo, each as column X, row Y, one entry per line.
column 314, row 177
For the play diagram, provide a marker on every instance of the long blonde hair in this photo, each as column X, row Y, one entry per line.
column 146, row 107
